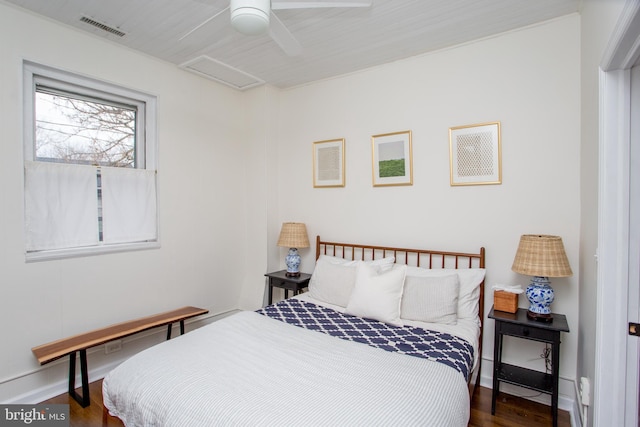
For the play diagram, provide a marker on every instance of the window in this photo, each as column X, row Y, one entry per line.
column 90, row 166
column 73, row 129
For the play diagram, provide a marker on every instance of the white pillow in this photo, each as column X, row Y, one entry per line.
column 335, row 260
column 333, row 278
column 431, row 299
column 377, row 295
column 470, row 279
column 382, row 264
column 332, row 282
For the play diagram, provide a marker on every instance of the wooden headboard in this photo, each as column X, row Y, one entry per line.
column 425, row 258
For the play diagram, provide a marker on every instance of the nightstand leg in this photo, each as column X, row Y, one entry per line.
column 497, row 360
column 555, row 372
column 270, row 292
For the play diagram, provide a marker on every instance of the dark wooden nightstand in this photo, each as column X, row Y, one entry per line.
column 279, row 279
column 518, row 325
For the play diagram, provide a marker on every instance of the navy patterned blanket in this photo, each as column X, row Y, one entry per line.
column 437, row 346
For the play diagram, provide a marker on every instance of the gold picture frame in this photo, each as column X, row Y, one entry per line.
column 475, row 154
column 392, row 159
column 328, row 163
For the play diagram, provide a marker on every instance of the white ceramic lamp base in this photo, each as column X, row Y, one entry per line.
column 293, row 263
column 540, row 295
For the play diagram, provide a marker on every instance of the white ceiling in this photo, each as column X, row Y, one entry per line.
column 334, row 41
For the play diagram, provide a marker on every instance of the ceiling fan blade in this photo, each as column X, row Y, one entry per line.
column 281, row 35
column 223, row 17
column 308, row 4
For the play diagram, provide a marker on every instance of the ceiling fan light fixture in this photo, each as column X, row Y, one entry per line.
column 250, row 17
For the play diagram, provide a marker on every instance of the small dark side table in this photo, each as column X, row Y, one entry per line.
column 518, row 325
column 279, row 279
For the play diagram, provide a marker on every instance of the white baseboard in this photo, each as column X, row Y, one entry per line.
column 61, row 387
column 53, row 379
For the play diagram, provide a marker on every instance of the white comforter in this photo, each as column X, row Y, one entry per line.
column 250, row 370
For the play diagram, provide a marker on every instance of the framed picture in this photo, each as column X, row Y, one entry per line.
column 475, row 154
column 392, row 159
column 328, row 163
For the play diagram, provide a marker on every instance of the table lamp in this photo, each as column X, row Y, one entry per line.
column 293, row 235
column 541, row 256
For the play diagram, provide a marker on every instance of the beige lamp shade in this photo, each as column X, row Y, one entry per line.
column 541, row 255
column 293, row 235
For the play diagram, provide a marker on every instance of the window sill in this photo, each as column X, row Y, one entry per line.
column 88, row 251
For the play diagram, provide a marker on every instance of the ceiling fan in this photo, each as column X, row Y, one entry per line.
column 255, row 17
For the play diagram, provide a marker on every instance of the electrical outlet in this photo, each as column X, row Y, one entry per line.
column 113, row 346
column 585, row 391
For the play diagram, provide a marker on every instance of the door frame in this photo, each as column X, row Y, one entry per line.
column 616, row 373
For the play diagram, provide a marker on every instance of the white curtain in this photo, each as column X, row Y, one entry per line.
column 128, row 205
column 61, row 206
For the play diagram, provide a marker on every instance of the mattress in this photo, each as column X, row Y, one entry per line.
column 252, row 370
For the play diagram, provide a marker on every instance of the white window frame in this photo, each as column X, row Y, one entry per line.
column 146, row 139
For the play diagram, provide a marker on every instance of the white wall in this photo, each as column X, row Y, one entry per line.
column 260, row 107
column 201, row 183
column 529, row 80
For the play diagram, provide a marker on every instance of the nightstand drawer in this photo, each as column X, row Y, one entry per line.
column 528, row 332
column 285, row 284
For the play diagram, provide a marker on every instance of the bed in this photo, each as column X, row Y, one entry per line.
column 384, row 336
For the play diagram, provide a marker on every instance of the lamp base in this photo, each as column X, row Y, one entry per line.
column 293, row 263
column 548, row 318
column 540, row 295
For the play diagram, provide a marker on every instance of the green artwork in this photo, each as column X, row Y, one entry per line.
column 391, row 159
column 390, row 168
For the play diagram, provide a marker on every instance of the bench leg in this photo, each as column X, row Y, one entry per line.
column 169, row 329
column 84, row 399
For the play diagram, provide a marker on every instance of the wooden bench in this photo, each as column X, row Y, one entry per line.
column 80, row 343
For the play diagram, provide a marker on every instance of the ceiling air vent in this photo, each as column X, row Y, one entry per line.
column 210, row 68
column 102, row 27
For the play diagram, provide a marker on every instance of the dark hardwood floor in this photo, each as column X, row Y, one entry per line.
column 91, row 415
column 511, row 411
